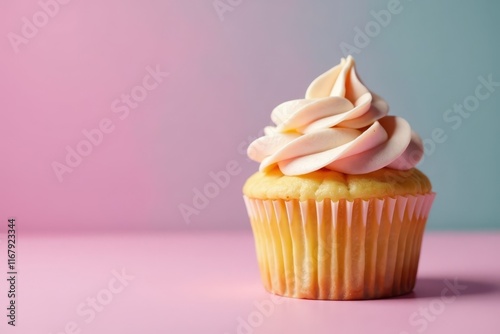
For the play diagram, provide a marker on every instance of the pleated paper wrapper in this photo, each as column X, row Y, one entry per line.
column 342, row 250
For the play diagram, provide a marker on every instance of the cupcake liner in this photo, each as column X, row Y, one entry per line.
column 361, row 249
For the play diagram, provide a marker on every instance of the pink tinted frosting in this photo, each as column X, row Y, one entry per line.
column 341, row 126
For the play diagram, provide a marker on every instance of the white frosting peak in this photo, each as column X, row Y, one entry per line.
column 340, row 125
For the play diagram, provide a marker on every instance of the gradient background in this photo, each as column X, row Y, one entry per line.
column 225, row 76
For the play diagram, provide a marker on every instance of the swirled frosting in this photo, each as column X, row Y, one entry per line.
column 341, row 126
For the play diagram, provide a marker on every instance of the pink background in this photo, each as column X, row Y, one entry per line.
column 225, row 77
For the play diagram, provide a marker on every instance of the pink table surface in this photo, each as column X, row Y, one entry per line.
column 209, row 283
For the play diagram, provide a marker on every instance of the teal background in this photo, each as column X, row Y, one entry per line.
column 427, row 59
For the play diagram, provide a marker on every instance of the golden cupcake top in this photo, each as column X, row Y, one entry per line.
column 327, row 184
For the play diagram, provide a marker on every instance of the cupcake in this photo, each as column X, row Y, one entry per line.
column 337, row 208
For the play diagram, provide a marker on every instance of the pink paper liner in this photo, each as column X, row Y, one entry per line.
column 361, row 249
